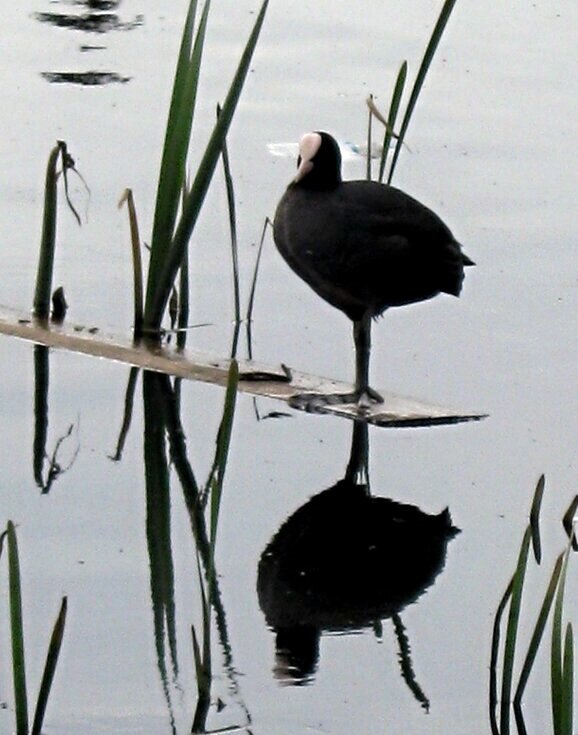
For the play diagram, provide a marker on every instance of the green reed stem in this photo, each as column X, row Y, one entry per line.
column 217, row 477
column 392, row 117
column 17, row 633
column 535, row 519
column 536, row 640
column 232, row 226
column 251, row 302
column 48, row 240
column 176, row 144
column 136, row 260
column 160, row 286
column 495, row 650
column 50, row 668
column 561, row 665
column 436, row 35
column 511, row 634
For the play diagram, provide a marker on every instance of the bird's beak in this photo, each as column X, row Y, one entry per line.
column 308, row 148
column 304, row 168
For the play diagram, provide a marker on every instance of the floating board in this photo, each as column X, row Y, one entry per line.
column 277, row 382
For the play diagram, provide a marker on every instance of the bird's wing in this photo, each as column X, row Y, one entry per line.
column 396, row 250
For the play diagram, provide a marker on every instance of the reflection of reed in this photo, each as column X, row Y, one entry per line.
column 195, row 499
column 41, row 382
column 158, row 527
column 165, row 439
column 346, row 560
column 405, row 662
column 127, row 417
column 46, row 467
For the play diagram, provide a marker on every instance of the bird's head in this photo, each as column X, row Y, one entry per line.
column 319, row 162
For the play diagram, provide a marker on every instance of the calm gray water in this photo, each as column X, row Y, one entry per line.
column 492, row 149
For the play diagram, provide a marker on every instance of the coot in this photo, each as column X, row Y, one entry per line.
column 363, row 247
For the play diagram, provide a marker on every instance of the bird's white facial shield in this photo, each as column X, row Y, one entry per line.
column 308, row 147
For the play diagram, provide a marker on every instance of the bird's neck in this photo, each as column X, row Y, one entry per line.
column 312, row 183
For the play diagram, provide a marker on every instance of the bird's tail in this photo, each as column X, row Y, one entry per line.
column 453, row 271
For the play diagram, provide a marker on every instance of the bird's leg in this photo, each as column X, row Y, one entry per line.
column 363, row 397
column 362, row 339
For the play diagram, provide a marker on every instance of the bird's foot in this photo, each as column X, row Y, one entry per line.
column 368, row 397
column 363, row 399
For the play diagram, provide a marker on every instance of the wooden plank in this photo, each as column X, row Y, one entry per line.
column 277, row 382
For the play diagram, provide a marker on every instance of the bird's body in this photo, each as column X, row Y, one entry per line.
column 365, row 246
column 361, row 245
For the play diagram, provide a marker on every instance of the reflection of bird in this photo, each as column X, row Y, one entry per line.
column 362, row 246
column 342, row 561
column 346, row 560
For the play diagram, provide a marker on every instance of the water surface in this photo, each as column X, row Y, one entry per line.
column 490, row 149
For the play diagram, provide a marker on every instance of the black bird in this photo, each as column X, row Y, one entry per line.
column 363, row 247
